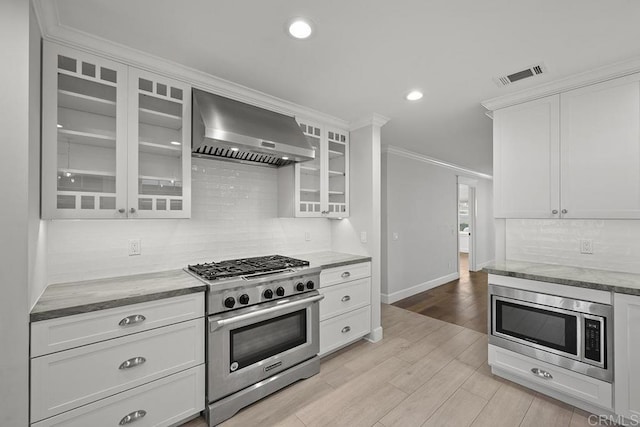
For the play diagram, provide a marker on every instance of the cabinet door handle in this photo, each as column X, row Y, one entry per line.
column 564, row 211
column 121, row 210
column 541, row 373
column 345, row 298
column 555, row 211
column 132, row 320
column 132, row 210
column 134, row 416
column 345, row 274
column 132, row 363
column 346, row 329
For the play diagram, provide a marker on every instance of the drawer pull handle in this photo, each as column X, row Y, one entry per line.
column 345, row 298
column 346, row 329
column 346, row 274
column 541, row 373
column 132, row 363
column 134, row 416
column 132, row 320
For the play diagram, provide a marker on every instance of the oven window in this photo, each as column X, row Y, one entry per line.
column 253, row 343
column 544, row 327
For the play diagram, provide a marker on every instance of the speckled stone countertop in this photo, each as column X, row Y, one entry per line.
column 66, row 299
column 626, row 283
column 331, row 259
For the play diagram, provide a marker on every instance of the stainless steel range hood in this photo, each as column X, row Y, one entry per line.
column 231, row 130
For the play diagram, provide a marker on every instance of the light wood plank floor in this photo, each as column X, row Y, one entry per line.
column 425, row 372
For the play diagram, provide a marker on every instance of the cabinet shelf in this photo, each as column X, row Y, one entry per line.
column 335, row 174
column 161, row 149
column 82, row 102
column 87, row 138
column 156, row 118
column 336, row 193
column 160, row 178
column 333, row 154
column 86, row 172
column 309, row 190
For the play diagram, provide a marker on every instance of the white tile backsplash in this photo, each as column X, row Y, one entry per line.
column 616, row 243
column 234, row 214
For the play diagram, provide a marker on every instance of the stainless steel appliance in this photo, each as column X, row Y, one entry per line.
column 231, row 130
column 570, row 333
column 263, row 329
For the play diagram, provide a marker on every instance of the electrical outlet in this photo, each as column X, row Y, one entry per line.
column 134, row 247
column 363, row 237
column 395, row 236
column 586, row 246
column 307, row 236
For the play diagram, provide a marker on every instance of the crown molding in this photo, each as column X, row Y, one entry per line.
column 52, row 30
column 376, row 120
column 586, row 78
column 391, row 149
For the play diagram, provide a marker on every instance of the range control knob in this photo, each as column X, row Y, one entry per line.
column 310, row 284
column 268, row 294
column 244, row 299
column 300, row 287
column 229, row 302
column 280, row 291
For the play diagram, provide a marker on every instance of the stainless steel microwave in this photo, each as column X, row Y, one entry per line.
column 571, row 333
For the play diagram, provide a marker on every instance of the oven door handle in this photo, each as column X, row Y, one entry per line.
column 217, row 324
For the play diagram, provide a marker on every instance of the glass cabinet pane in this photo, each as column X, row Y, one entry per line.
column 160, row 140
column 310, row 176
column 86, row 136
column 337, row 151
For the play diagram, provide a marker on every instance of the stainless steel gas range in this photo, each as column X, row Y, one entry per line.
column 263, row 329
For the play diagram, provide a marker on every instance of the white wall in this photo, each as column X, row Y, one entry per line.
column 365, row 214
column 616, row 243
column 234, row 214
column 420, row 206
column 14, row 174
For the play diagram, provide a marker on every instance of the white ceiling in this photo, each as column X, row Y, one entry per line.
column 366, row 54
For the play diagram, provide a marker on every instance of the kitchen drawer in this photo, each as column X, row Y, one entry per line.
column 562, row 380
column 346, row 273
column 341, row 330
column 49, row 336
column 345, row 297
column 72, row 378
column 165, row 402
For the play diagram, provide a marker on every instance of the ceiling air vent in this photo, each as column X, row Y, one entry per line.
column 532, row 71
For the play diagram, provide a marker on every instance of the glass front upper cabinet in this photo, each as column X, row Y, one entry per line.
column 309, row 194
column 84, row 136
column 159, row 147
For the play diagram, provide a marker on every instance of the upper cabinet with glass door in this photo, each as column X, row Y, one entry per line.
column 159, row 146
column 84, row 150
column 322, row 184
column 108, row 151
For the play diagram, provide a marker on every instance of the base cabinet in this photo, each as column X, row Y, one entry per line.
column 114, row 372
column 627, row 355
column 345, row 311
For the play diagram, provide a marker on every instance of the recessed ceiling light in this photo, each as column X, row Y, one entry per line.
column 414, row 95
column 300, row 28
column 176, row 143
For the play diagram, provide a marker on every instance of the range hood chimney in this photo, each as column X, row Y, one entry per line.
column 231, row 130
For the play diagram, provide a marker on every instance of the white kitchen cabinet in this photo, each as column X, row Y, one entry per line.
column 573, row 155
column 600, row 150
column 627, row 353
column 320, row 186
column 345, row 311
column 115, row 140
column 526, row 141
column 138, row 350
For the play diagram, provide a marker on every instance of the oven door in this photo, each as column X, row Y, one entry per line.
column 248, row 345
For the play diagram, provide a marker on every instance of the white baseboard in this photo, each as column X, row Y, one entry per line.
column 375, row 335
column 482, row 265
column 397, row 296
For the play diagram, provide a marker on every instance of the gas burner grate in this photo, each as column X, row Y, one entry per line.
column 245, row 266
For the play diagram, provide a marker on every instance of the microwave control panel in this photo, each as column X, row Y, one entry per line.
column 593, row 331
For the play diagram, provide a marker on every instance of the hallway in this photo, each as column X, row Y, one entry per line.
column 462, row 301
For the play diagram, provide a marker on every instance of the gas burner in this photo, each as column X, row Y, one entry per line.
column 245, row 266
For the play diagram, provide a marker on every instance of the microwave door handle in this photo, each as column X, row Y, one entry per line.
column 217, row 324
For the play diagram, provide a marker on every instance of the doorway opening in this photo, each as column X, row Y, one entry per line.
column 466, row 225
